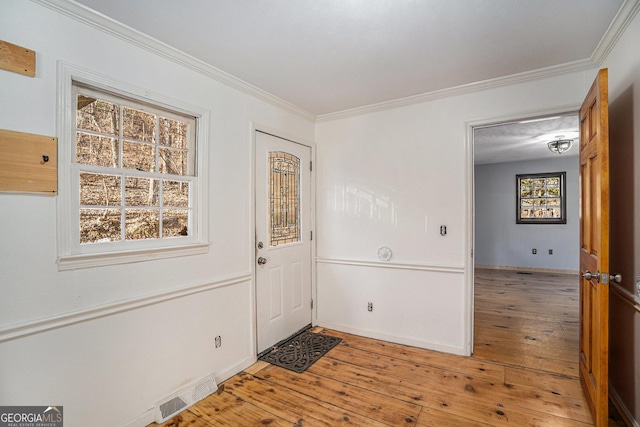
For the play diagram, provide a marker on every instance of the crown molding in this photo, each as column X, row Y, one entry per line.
column 116, row 29
column 527, row 76
column 81, row 13
column 621, row 21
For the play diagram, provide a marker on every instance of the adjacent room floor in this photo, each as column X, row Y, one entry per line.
column 523, row 372
column 527, row 319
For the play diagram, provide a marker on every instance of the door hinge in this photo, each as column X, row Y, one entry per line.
column 311, row 234
column 311, row 304
column 311, row 166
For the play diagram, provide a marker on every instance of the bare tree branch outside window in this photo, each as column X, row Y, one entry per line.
column 135, row 171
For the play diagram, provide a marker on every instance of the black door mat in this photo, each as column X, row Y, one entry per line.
column 301, row 351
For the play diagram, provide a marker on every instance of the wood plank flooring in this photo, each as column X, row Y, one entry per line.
column 527, row 320
column 523, row 372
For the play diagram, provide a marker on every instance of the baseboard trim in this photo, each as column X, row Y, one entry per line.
column 529, row 269
column 142, row 420
column 61, row 320
column 398, row 339
column 236, row 368
column 622, row 409
column 148, row 417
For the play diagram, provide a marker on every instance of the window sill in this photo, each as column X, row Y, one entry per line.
column 76, row 262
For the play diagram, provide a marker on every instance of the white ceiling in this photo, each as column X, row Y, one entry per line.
column 524, row 140
column 327, row 56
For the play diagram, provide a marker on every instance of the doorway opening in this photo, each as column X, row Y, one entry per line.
column 526, row 292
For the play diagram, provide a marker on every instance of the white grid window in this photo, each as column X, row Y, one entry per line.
column 540, row 198
column 132, row 185
column 135, row 166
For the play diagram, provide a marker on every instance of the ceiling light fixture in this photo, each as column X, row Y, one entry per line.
column 560, row 145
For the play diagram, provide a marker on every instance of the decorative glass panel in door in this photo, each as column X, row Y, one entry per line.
column 284, row 198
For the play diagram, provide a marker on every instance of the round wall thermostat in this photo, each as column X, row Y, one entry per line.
column 384, row 253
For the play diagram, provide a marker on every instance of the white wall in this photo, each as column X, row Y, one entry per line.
column 392, row 178
column 107, row 343
column 624, row 133
column 500, row 242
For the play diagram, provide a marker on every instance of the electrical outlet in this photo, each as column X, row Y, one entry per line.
column 218, row 341
column 550, row 251
column 370, row 306
column 534, row 251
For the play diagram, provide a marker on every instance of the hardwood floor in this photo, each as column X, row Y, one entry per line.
column 523, row 373
column 529, row 320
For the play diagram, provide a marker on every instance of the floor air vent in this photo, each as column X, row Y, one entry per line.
column 182, row 400
column 170, row 408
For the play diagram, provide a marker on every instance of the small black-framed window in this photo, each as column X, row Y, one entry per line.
column 540, row 198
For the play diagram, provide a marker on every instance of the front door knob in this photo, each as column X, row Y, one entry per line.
column 262, row 261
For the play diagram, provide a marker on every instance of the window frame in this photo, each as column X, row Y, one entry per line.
column 562, row 195
column 72, row 254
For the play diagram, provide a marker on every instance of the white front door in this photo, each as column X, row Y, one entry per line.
column 283, row 238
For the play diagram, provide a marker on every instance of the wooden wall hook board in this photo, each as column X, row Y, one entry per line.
column 17, row 59
column 28, row 163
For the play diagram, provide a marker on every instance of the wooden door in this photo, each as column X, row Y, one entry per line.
column 594, row 251
column 283, row 239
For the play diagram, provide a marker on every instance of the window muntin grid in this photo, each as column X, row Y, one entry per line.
column 541, row 198
column 136, row 166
